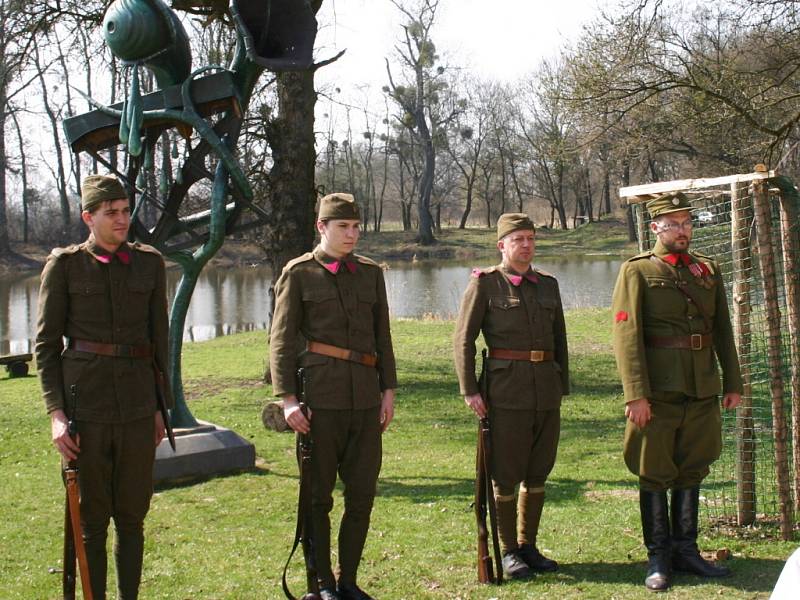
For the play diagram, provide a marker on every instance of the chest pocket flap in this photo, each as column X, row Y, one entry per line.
column 660, row 282
column 318, row 294
column 503, row 302
column 141, row 284
column 86, row 288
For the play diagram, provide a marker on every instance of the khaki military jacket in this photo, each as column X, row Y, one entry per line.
column 346, row 309
column 101, row 300
column 647, row 301
column 524, row 317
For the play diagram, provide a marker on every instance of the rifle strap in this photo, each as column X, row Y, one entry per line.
column 68, row 575
column 303, row 506
column 498, row 555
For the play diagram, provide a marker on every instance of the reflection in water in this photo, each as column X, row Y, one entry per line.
column 232, row 300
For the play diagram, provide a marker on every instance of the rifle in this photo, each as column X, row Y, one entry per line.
column 73, row 534
column 304, row 531
column 484, row 493
column 162, row 403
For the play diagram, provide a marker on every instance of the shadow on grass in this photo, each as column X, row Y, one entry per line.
column 431, row 490
column 190, row 481
column 751, row 574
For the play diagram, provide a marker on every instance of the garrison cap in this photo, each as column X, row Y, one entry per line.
column 338, row 206
column 668, row 203
column 97, row 189
column 511, row 222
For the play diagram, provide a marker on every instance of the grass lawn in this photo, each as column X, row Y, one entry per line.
column 601, row 237
column 228, row 537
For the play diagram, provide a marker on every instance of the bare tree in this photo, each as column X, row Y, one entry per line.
column 419, row 96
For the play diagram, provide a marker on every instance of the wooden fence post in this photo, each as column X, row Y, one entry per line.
column 790, row 241
column 741, row 215
column 766, row 261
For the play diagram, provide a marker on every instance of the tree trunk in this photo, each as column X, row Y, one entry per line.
column 55, row 126
column 290, row 231
column 24, row 177
column 5, row 243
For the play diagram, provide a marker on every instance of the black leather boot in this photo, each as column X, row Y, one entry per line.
column 655, row 529
column 685, row 554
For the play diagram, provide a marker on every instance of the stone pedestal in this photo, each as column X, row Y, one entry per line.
column 202, row 451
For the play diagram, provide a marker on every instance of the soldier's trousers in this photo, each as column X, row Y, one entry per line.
column 677, row 446
column 116, row 481
column 524, row 446
column 347, row 442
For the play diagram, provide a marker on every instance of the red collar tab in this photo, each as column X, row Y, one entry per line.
column 335, row 265
column 516, row 280
column 123, row 255
column 677, row 257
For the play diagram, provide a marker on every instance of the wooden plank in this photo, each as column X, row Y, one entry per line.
column 643, row 193
column 11, row 358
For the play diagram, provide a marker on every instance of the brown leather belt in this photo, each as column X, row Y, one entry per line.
column 696, row 341
column 118, row 350
column 526, row 355
column 363, row 358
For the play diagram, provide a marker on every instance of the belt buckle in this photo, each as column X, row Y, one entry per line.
column 123, row 351
column 537, row 356
column 699, row 344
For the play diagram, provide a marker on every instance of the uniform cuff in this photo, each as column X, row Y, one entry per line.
column 634, row 390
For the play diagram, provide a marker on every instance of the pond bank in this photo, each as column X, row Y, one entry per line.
column 607, row 237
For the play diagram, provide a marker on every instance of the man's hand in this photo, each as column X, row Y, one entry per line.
column 387, row 409
column 294, row 416
column 731, row 400
column 160, row 429
column 59, row 428
column 476, row 403
column 638, row 411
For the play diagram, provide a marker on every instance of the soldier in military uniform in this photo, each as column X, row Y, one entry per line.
column 332, row 318
column 107, row 297
column 518, row 309
column 670, row 319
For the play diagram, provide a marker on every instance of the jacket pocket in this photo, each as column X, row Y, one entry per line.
column 88, row 302
column 660, row 282
column 503, row 302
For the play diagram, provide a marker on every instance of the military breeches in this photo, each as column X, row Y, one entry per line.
column 347, row 442
column 116, row 481
column 524, row 446
column 679, row 443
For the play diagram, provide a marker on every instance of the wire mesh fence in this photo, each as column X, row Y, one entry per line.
column 752, row 231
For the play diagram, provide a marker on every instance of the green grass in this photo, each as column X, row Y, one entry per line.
column 602, row 237
column 228, row 537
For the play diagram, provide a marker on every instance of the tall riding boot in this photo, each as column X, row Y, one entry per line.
column 529, row 511
column 128, row 554
column 94, row 542
column 655, row 529
column 685, row 554
column 321, row 524
column 352, row 536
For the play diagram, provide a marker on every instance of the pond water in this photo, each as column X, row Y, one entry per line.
column 230, row 300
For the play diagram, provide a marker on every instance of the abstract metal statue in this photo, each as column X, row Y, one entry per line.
column 206, row 107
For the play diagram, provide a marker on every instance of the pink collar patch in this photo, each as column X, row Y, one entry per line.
column 516, row 280
column 335, row 265
column 123, row 255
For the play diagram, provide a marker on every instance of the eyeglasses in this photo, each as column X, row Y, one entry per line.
column 672, row 226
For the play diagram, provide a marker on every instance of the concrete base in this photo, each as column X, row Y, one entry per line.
column 202, row 451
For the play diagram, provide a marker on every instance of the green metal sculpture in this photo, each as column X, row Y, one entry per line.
column 276, row 35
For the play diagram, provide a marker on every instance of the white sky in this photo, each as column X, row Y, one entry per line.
column 501, row 39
